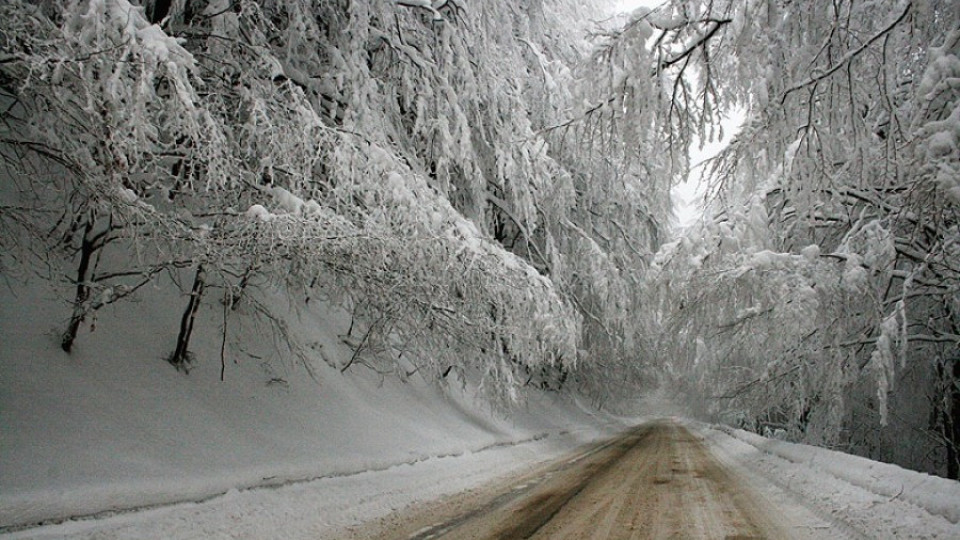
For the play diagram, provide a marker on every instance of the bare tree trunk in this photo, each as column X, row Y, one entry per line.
column 83, row 288
column 242, row 286
column 181, row 355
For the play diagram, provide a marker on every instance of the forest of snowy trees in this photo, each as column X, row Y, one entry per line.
column 485, row 186
column 818, row 298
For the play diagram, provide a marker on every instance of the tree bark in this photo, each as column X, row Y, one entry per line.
column 83, row 289
column 181, row 356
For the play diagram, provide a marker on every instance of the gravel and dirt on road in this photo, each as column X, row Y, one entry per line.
column 656, row 481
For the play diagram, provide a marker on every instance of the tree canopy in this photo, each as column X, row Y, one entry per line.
column 818, row 297
column 424, row 165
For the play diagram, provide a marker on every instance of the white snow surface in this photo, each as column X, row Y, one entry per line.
column 110, row 442
column 267, row 453
column 865, row 498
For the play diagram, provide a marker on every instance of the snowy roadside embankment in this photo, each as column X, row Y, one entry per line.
column 876, row 500
column 112, row 427
column 323, row 508
column 107, row 457
column 938, row 496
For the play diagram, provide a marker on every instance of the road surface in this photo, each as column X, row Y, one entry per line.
column 657, row 481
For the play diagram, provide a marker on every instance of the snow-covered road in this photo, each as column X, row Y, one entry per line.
column 324, row 508
column 657, row 481
column 737, row 483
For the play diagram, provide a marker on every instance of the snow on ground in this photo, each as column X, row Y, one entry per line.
column 113, row 427
column 796, row 478
column 273, row 453
column 866, row 498
column 322, row 508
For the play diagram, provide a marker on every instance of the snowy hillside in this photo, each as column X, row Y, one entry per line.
column 114, row 427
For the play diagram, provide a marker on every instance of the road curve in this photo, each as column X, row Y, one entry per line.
column 657, row 481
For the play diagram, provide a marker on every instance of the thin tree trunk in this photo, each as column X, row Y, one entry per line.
column 181, row 355
column 83, row 289
column 241, row 287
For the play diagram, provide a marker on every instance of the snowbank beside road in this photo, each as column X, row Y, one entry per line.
column 938, row 496
column 869, row 498
column 323, row 508
column 112, row 427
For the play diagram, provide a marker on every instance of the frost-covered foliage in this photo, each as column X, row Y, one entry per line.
column 821, row 294
column 400, row 158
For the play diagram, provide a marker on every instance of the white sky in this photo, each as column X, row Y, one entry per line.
column 688, row 196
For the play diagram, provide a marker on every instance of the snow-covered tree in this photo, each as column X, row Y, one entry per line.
column 832, row 227
column 402, row 159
